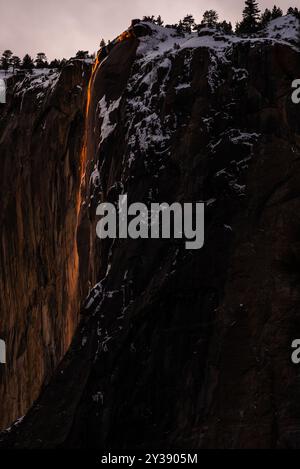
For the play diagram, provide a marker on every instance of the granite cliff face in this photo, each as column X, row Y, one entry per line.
column 177, row 348
column 41, row 130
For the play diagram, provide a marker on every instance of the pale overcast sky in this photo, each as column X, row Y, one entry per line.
column 61, row 27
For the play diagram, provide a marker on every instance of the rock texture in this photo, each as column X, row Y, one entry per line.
column 41, row 130
column 176, row 348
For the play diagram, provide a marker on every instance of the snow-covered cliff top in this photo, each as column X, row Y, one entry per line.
column 286, row 28
column 283, row 30
column 166, row 41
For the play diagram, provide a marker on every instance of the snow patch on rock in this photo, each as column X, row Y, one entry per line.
column 104, row 110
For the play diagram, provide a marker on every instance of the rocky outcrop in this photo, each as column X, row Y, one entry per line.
column 41, row 130
column 176, row 348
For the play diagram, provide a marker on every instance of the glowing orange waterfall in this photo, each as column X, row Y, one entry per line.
column 83, row 156
column 73, row 267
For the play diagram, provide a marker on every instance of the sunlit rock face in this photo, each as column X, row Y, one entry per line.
column 40, row 139
column 177, row 348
